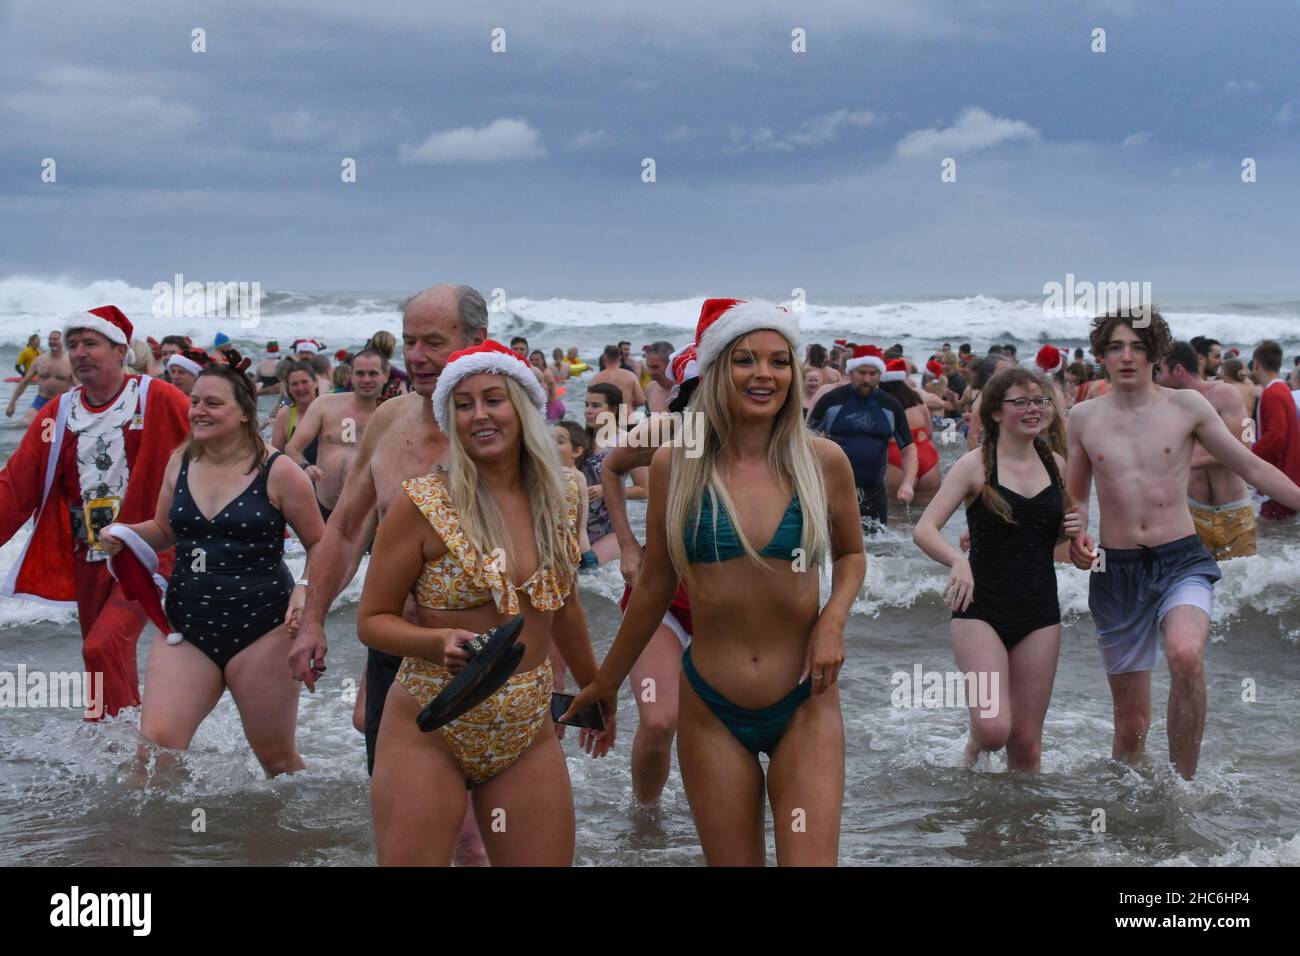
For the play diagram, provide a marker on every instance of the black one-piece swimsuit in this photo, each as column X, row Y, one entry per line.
column 230, row 585
column 1012, row 564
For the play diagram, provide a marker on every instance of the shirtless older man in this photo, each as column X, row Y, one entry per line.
column 401, row 441
column 621, row 378
column 1219, row 500
column 340, row 421
column 1154, row 573
column 52, row 373
column 660, row 385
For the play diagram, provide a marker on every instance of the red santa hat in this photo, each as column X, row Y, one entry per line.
column 683, row 367
column 306, row 345
column 841, row 342
column 934, row 368
column 722, row 321
column 107, row 320
column 895, row 371
column 865, row 355
column 492, row 358
column 135, row 567
column 1050, row 359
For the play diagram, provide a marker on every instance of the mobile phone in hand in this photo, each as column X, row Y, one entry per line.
column 589, row 717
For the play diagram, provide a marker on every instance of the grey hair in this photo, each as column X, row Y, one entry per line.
column 663, row 349
column 470, row 307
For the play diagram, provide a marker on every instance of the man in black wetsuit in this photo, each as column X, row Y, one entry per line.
column 861, row 419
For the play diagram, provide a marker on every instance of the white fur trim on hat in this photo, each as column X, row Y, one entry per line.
column 146, row 555
column 194, row 368
column 892, row 376
column 741, row 319
column 496, row 363
column 94, row 323
column 875, row 360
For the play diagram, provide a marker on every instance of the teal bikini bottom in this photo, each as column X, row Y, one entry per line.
column 759, row 730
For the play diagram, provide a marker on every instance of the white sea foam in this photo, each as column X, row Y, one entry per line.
column 345, row 319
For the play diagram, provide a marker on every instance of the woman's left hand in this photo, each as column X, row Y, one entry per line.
column 825, row 655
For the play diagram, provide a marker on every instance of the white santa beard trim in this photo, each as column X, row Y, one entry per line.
column 494, row 363
column 741, row 320
column 95, row 324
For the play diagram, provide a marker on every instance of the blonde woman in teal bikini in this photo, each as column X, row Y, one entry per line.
column 760, row 674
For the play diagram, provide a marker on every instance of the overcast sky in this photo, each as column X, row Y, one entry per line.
column 774, row 169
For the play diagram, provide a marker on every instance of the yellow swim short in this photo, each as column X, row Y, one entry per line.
column 1228, row 531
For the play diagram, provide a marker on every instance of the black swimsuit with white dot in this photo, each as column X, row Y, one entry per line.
column 231, row 585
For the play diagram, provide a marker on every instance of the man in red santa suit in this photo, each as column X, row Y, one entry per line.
column 93, row 457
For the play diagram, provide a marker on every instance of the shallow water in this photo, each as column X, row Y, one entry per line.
column 908, row 800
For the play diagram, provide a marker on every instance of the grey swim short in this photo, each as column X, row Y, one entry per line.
column 1129, row 600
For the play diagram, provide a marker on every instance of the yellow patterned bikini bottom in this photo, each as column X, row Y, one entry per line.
column 492, row 736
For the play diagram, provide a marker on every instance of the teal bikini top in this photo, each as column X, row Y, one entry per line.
column 703, row 548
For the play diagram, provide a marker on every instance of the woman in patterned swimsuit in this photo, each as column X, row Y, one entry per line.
column 501, row 513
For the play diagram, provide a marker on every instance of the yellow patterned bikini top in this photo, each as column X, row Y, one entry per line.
column 462, row 579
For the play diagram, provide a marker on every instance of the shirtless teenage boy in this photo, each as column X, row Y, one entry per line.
column 52, row 373
column 340, row 421
column 1138, row 440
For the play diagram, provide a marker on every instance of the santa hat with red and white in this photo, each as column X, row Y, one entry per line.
column 895, row 371
column 1050, row 359
column 107, row 320
column 492, row 358
column 683, row 367
column 722, row 321
column 135, row 567
column 865, row 355
column 191, row 360
column 934, row 368
column 306, row 345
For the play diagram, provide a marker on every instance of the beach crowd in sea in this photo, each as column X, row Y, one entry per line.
column 765, row 464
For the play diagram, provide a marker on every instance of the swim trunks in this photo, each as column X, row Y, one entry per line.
column 1228, row 531
column 1139, row 586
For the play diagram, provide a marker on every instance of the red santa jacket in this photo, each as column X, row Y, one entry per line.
column 1279, row 430
column 32, row 483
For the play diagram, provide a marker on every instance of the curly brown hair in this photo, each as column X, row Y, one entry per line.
column 1154, row 334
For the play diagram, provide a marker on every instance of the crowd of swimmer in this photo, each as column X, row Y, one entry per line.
column 477, row 501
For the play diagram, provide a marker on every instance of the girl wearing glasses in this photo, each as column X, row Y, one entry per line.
column 1006, row 621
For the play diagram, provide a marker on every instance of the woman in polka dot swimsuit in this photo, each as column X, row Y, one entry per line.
column 231, row 596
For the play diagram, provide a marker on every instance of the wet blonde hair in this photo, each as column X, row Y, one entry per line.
column 791, row 455
column 480, row 518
